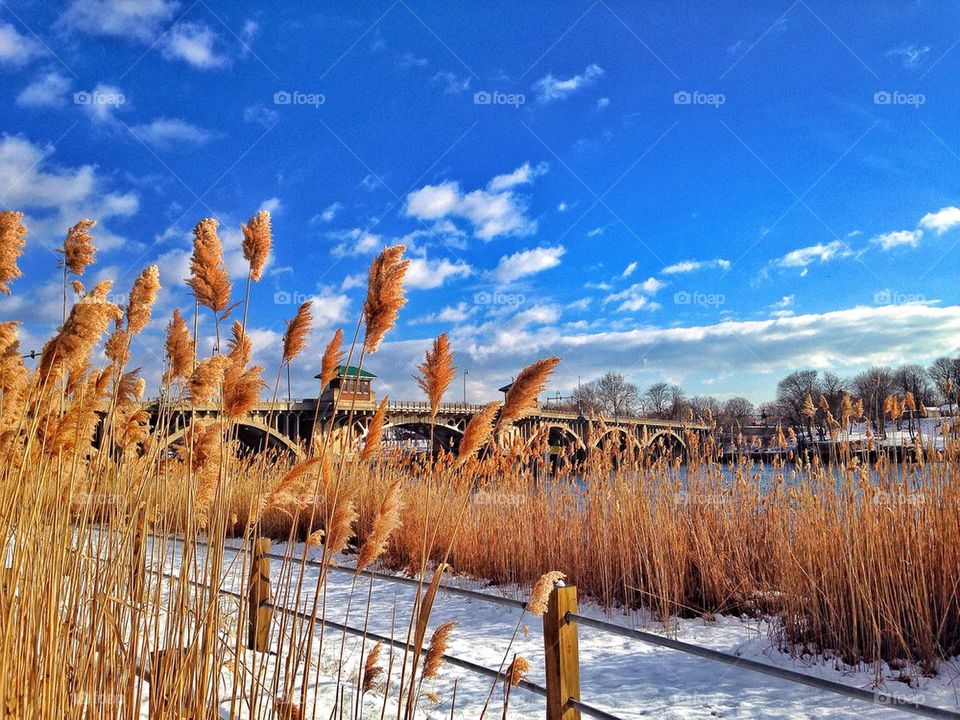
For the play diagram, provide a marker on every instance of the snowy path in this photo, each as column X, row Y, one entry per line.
column 623, row 676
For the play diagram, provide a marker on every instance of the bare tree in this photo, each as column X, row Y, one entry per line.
column 585, row 400
column 617, row 396
column 792, row 393
column 736, row 413
column 872, row 386
column 945, row 374
column 679, row 405
column 656, row 400
column 833, row 388
column 703, row 406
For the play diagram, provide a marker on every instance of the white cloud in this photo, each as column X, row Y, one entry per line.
column 687, row 266
column 750, row 356
column 272, row 205
column 330, row 309
column 329, row 212
column 453, row 84
column 942, row 220
column 355, row 242
column 562, row 207
column 17, row 49
column 166, row 133
column 371, row 182
column 596, row 231
column 353, row 281
column 55, row 197
column 784, row 302
column 249, row 30
column 425, row 274
column 638, row 296
column 493, row 212
column 48, row 90
column 551, row 88
column 140, row 20
column 910, row 55
column 603, row 103
column 194, row 43
column 527, row 262
column 434, row 201
column 897, row 238
column 805, row 256
column 449, row 314
column 628, row 270
column 101, row 102
column 523, row 175
column 409, row 60
column 260, row 115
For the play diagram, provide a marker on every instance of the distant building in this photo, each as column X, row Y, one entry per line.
column 350, row 386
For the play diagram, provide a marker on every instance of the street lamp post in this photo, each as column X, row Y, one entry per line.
column 465, row 373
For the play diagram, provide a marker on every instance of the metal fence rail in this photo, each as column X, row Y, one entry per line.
column 759, row 667
column 786, row 674
column 467, row 665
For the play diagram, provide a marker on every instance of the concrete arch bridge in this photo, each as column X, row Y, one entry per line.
column 290, row 427
column 347, row 405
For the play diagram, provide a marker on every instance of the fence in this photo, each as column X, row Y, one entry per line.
column 560, row 628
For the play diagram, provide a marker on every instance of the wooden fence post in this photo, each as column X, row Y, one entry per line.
column 562, row 661
column 138, row 557
column 259, row 615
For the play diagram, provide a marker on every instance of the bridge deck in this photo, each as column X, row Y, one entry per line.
column 416, row 407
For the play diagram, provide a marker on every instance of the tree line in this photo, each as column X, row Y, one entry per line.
column 809, row 401
column 613, row 395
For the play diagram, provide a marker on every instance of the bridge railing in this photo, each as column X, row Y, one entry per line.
column 423, row 406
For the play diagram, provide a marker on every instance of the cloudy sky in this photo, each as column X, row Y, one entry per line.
column 711, row 194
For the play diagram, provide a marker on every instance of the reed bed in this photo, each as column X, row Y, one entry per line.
column 848, row 558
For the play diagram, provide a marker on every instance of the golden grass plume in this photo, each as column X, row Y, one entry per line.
column 142, row 296
column 385, row 295
column 78, row 248
column 208, row 278
column 257, row 240
column 522, row 396
column 12, row 233
column 296, row 334
column 437, row 372
column 179, row 347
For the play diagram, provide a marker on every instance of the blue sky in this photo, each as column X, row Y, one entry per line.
column 711, row 194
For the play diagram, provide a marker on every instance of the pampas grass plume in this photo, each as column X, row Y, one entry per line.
column 12, row 232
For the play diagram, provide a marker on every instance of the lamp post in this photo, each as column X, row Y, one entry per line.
column 465, row 373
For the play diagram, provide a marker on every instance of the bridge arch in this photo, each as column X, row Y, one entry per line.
column 446, row 434
column 666, row 440
column 628, row 438
column 244, row 428
column 556, row 431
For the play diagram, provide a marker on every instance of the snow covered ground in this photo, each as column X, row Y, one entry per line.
column 623, row 676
